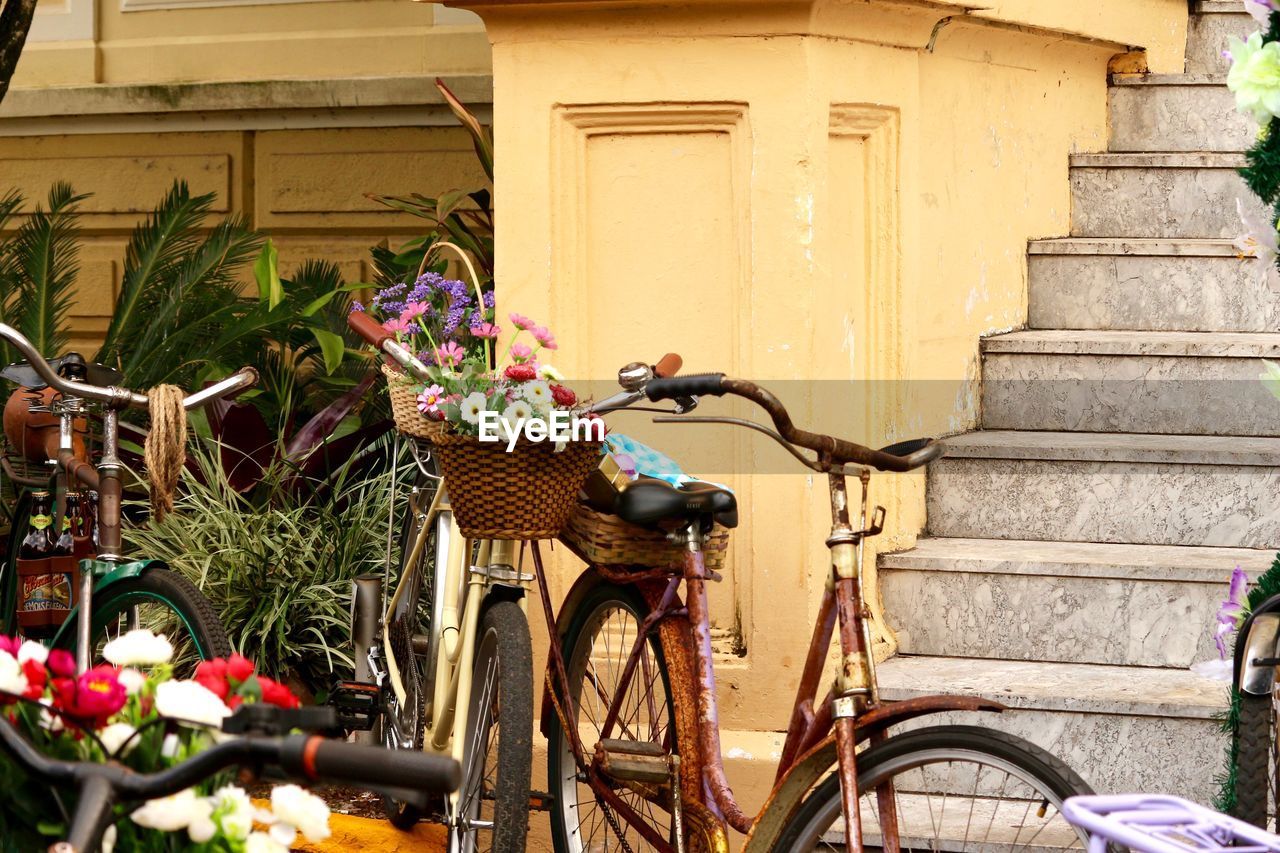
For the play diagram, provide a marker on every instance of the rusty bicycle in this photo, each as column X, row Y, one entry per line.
column 630, row 713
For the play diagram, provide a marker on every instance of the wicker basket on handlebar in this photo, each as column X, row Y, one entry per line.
column 404, row 407
column 524, row 494
column 606, row 540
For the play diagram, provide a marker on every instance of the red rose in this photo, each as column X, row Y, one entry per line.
column 563, row 396
column 216, row 686
column 277, row 694
column 216, row 668
column 520, row 372
column 36, row 676
column 62, row 663
column 239, row 667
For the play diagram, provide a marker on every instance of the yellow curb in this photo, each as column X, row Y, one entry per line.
column 364, row 833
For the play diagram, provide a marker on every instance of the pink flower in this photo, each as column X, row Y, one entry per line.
column 486, row 330
column 450, row 353
column 430, row 398
column 95, row 695
column 396, row 326
column 543, row 336
column 520, row 352
column 61, row 663
column 413, row 310
column 520, row 321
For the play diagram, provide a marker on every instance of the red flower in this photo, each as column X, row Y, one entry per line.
column 217, row 686
column 277, row 694
column 10, row 645
column 239, row 668
column 36, row 676
column 95, row 695
column 563, row 396
column 61, row 663
column 216, row 668
column 520, row 372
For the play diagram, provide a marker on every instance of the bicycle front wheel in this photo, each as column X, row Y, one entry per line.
column 167, row 603
column 955, row 788
column 493, row 802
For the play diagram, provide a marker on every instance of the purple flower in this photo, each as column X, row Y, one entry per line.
column 356, row 307
column 1232, row 611
column 489, row 300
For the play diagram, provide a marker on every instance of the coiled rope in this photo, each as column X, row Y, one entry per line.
column 165, row 449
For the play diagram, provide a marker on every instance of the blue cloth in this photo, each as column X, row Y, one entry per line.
column 650, row 462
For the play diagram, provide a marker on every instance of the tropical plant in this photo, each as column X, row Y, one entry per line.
column 452, row 218
column 278, row 569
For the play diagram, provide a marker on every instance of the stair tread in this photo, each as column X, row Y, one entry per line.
column 1188, row 563
column 1160, row 160
column 1116, row 447
column 1133, row 342
column 1182, row 247
column 1220, row 7
column 1203, row 79
column 1080, row 687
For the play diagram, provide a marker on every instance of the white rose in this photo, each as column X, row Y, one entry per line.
column 190, row 702
column 235, row 810
column 260, row 842
column 131, row 680
column 31, row 650
column 172, row 813
column 115, row 736
column 301, row 809
column 12, row 680
column 109, row 839
column 139, row 647
column 50, row 722
column 202, row 828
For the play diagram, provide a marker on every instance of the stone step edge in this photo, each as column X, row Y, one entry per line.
column 1106, row 447
column 1220, row 7
column 1138, row 246
column 1215, row 79
column 1093, row 560
column 1119, row 343
column 1162, row 160
column 1129, row 691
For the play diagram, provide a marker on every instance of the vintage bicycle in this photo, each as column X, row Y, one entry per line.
column 634, row 753
column 445, row 663
column 117, row 593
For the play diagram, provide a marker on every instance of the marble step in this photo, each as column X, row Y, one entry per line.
column 1177, row 112
column 1207, row 33
column 1181, row 195
column 1191, row 383
column 1123, row 729
column 1107, row 487
column 1159, row 285
column 1027, row 600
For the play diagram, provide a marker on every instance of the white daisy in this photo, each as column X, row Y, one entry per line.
column 537, row 392
column 516, row 412
column 472, row 406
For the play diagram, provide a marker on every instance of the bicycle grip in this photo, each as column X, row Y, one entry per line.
column 693, row 385
column 319, row 759
column 368, row 328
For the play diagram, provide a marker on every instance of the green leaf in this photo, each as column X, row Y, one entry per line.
column 317, row 303
column 1271, row 377
column 448, row 203
column 267, row 271
column 333, row 347
column 479, row 133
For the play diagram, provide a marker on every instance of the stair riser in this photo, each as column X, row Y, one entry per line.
column 1207, row 38
column 1144, row 292
column 1146, row 201
column 1100, row 501
column 1178, row 118
column 1127, row 393
column 1045, row 618
column 1116, row 753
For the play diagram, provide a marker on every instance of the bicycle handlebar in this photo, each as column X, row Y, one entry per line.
column 369, row 329
column 116, row 397
column 837, row 450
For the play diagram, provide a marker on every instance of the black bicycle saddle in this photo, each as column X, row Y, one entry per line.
column 72, row 366
column 650, row 503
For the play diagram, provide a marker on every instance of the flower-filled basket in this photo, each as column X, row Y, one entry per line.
column 511, row 446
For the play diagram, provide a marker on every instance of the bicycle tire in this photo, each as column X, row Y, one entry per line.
column 503, row 649
column 1253, row 759
column 568, row 817
column 923, row 748
column 172, row 591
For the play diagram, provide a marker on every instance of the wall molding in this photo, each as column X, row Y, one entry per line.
column 64, row 20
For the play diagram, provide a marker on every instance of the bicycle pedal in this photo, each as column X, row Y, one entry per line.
column 540, row 801
column 634, row 761
column 358, row 704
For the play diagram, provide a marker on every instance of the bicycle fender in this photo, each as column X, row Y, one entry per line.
column 1259, row 639
column 109, row 573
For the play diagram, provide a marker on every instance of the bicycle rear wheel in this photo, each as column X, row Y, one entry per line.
column 1256, row 761
column 956, row 788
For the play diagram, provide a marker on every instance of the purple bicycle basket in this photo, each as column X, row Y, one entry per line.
column 1159, row 824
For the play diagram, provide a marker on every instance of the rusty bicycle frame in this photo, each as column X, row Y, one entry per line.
column 819, row 733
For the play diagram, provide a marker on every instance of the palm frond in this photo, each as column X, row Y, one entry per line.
column 45, row 262
column 9, row 203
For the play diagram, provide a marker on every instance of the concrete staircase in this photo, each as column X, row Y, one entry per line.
column 1079, row 544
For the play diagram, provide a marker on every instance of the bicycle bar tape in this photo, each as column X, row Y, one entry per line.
column 316, row 758
column 693, row 385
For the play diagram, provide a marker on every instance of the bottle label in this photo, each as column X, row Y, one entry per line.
column 66, row 522
column 40, row 522
column 46, row 592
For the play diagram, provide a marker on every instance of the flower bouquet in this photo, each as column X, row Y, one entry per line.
column 511, row 445
column 133, row 711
